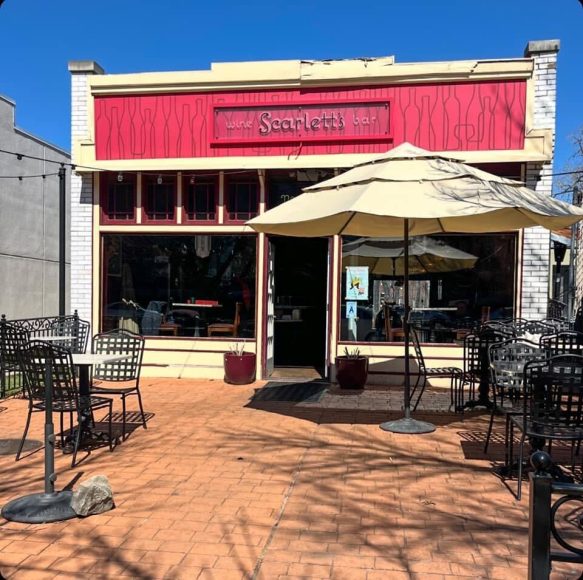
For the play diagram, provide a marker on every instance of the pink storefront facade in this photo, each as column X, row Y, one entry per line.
column 172, row 165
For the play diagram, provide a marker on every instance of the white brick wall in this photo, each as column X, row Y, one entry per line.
column 81, row 207
column 535, row 277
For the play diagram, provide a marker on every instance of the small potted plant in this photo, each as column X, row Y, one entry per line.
column 351, row 369
column 239, row 365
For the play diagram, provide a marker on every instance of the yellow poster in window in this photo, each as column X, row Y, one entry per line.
column 357, row 283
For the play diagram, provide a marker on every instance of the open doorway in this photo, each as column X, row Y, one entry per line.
column 299, row 272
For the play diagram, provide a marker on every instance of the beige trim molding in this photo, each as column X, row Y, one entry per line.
column 537, row 147
column 296, row 73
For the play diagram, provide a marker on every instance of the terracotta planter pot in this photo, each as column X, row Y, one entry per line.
column 240, row 369
column 351, row 373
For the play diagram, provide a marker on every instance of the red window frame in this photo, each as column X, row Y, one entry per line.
column 232, row 215
column 108, row 181
column 151, row 180
column 187, row 186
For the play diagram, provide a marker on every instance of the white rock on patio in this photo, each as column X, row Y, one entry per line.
column 94, row 496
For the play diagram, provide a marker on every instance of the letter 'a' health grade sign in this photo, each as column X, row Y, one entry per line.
column 306, row 122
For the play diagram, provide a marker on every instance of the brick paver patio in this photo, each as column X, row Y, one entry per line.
column 222, row 488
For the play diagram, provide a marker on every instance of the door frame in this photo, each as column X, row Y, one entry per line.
column 329, row 297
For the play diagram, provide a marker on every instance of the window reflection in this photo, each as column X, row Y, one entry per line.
column 455, row 281
column 183, row 285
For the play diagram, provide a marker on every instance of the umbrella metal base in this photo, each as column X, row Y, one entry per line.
column 407, row 425
column 40, row 508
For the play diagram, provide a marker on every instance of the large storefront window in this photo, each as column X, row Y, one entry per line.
column 456, row 281
column 202, row 285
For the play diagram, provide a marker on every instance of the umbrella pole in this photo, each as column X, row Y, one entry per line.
column 407, row 424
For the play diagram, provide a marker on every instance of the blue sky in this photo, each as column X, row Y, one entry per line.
column 38, row 38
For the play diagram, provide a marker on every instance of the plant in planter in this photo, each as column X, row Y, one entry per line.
column 351, row 369
column 239, row 365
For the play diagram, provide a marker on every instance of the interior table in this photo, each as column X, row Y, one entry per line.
column 205, row 306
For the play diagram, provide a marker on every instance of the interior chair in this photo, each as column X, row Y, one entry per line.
column 425, row 373
column 65, row 395
column 120, row 377
column 507, row 361
column 552, row 407
column 12, row 340
column 75, row 333
column 152, row 318
column 565, row 342
column 391, row 334
column 226, row 328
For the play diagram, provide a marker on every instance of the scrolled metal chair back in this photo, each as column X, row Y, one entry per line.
column 34, row 359
column 537, row 327
column 559, row 324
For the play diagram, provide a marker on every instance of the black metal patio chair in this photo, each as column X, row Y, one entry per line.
column 12, row 340
column 476, row 362
column 566, row 342
column 120, row 377
column 75, row 333
column 66, row 400
column 552, row 407
column 425, row 373
column 507, row 361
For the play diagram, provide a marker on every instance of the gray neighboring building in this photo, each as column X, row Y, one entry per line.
column 29, row 222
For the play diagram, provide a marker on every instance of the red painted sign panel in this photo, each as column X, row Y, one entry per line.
column 441, row 117
column 302, row 122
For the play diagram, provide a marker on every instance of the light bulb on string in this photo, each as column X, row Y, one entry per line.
column 192, row 180
column 120, row 177
column 159, row 180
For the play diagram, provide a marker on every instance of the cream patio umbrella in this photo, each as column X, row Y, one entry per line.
column 386, row 256
column 412, row 192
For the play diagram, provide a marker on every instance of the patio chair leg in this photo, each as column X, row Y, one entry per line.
column 21, row 446
column 141, row 408
column 110, row 425
column 520, row 459
column 77, row 439
column 123, row 417
column 509, row 447
column 490, row 426
column 62, row 425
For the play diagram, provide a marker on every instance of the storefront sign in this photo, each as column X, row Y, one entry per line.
column 357, row 283
column 305, row 122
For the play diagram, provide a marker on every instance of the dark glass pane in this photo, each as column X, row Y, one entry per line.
column 121, row 201
column 160, row 199
column 242, row 200
column 185, row 283
column 200, row 201
column 455, row 282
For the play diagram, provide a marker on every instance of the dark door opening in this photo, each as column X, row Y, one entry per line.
column 300, row 303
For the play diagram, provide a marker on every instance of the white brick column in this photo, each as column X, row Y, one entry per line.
column 535, row 277
column 81, row 193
